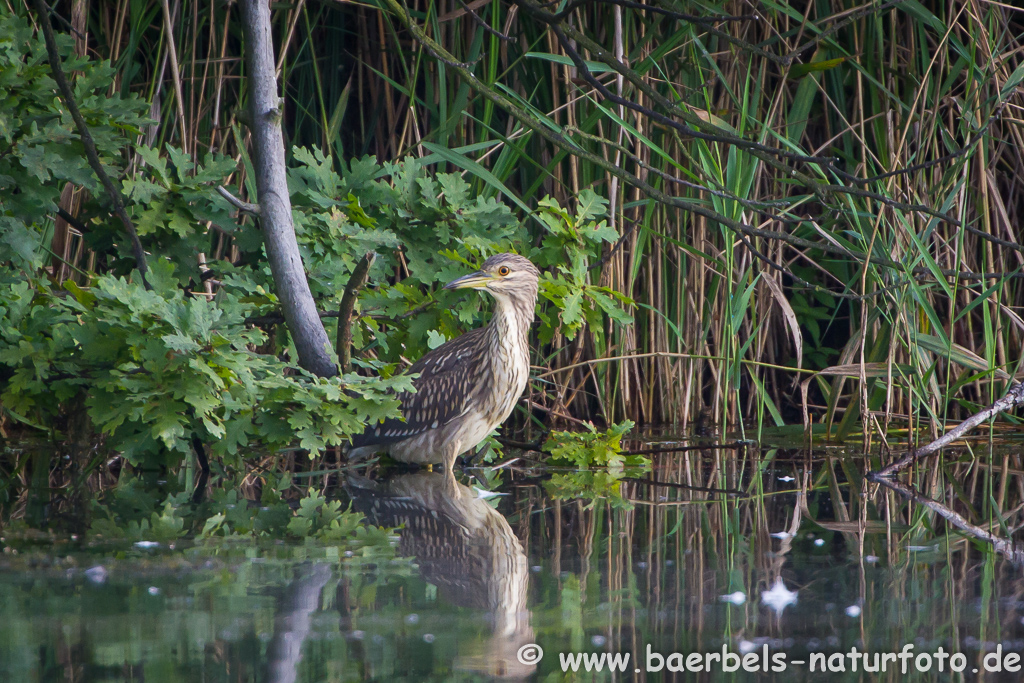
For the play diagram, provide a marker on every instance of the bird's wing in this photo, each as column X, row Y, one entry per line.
column 447, row 378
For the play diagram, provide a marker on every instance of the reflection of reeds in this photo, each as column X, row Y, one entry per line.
column 717, row 328
column 673, row 555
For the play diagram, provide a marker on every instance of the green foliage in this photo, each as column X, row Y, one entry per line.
column 437, row 221
column 444, row 228
column 598, row 461
column 40, row 148
column 593, row 448
column 173, row 199
column 382, row 207
column 153, row 368
column 572, row 246
column 134, row 512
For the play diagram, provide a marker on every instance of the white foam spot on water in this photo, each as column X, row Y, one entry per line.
column 778, row 597
column 737, row 598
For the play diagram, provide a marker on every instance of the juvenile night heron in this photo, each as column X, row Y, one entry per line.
column 469, row 385
column 467, row 549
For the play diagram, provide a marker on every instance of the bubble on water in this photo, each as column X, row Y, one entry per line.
column 737, row 598
column 97, row 574
column 778, row 597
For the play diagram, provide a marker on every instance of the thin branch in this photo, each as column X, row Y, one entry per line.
column 955, row 154
column 523, row 445
column 653, row 9
column 753, row 205
column 686, row 487
column 348, row 302
column 91, row 153
column 810, row 285
column 1013, row 398
column 278, row 318
column 993, row 239
column 707, row 23
column 618, row 243
column 481, row 23
column 734, row 446
column 1004, row 547
column 401, row 316
column 242, row 206
column 853, row 16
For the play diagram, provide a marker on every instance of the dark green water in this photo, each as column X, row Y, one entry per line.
column 664, row 569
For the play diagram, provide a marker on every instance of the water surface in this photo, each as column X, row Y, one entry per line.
column 762, row 551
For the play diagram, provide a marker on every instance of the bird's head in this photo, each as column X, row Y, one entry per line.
column 505, row 276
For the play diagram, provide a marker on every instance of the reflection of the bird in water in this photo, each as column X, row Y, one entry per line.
column 464, row 547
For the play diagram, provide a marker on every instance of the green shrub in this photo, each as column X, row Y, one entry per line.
column 152, row 368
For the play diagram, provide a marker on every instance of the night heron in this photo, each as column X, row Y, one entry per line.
column 469, row 385
column 467, row 549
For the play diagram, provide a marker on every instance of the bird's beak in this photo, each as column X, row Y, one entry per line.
column 477, row 280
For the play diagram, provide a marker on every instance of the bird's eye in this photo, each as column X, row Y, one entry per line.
column 503, row 271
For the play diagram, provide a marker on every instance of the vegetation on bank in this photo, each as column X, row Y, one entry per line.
column 807, row 215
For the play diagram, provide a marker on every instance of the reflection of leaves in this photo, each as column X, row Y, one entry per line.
column 586, row 451
column 591, row 485
column 132, row 512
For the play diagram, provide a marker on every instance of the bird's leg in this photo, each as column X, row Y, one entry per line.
column 450, row 487
column 454, row 447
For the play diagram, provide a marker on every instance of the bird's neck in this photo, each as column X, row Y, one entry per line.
column 509, row 352
column 511, row 319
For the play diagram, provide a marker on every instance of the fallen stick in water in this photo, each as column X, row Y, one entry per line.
column 1014, row 397
column 886, row 476
column 1004, row 547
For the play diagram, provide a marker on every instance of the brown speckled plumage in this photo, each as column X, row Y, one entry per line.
column 469, row 385
column 467, row 549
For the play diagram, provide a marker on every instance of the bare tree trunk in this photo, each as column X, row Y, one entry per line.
column 292, row 622
column 308, row 333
